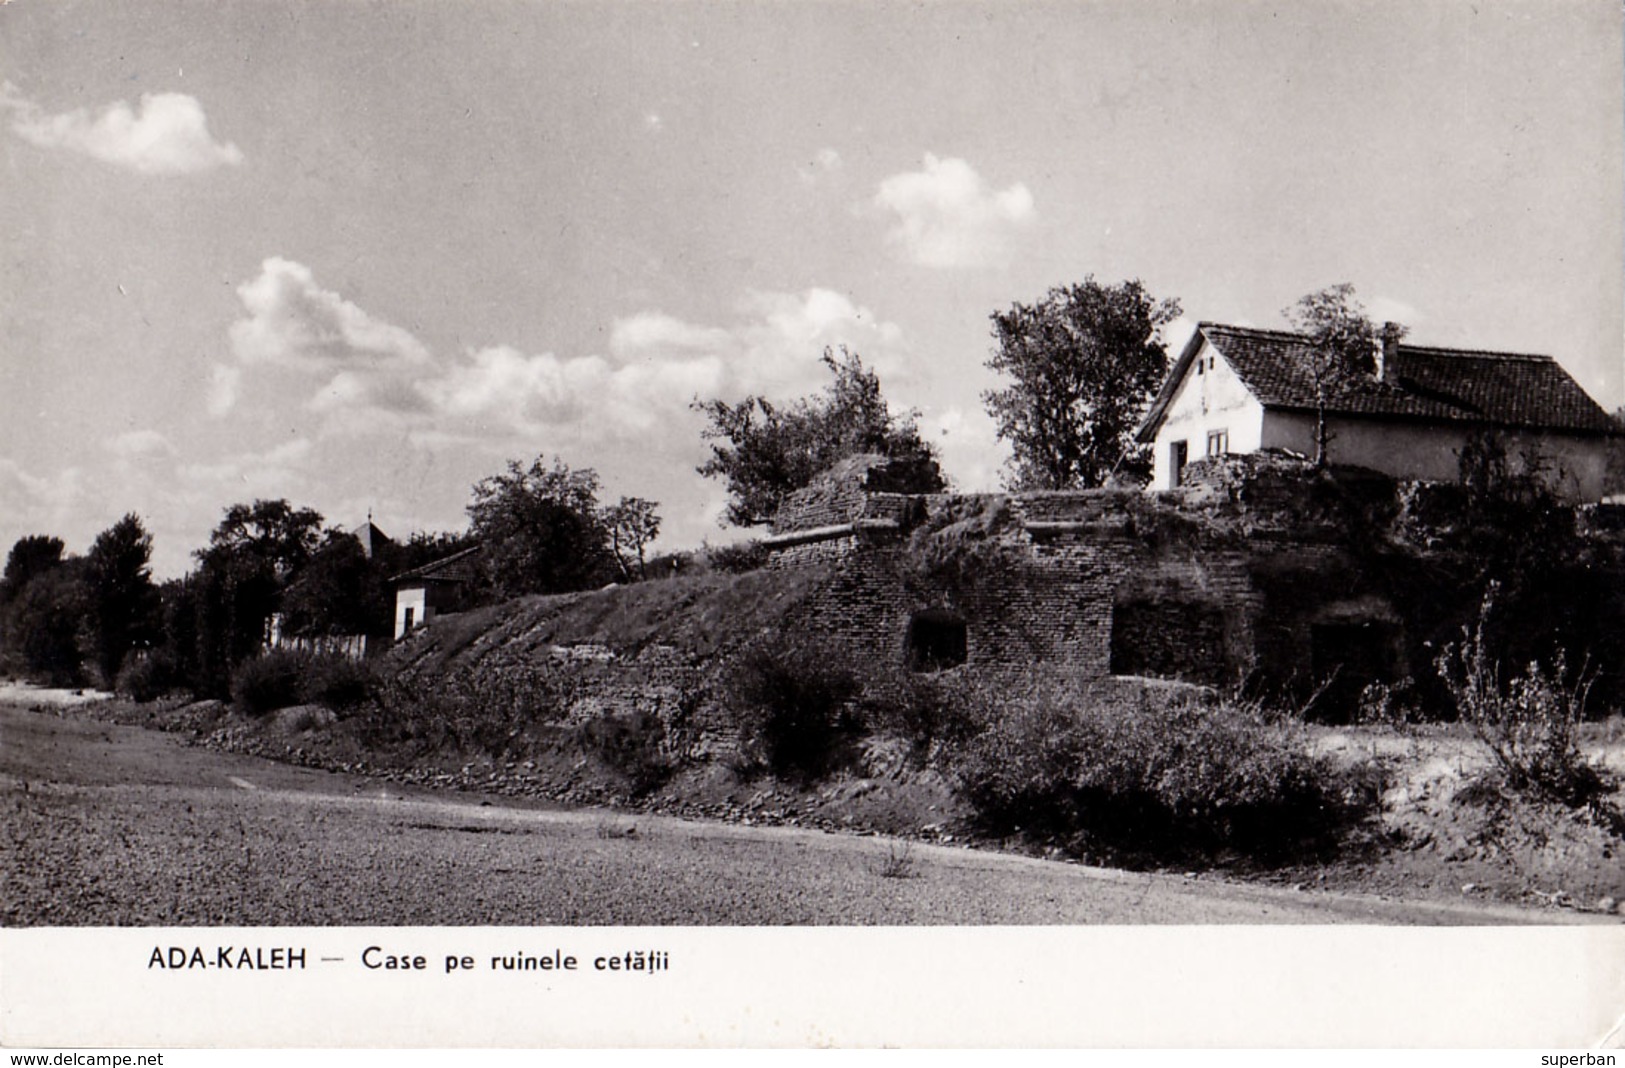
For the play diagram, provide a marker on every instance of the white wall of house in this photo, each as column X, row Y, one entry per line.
column 1574, row 466
column 1209, row 400
column 413, row 602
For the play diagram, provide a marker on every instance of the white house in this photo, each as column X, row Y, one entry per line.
column 425, row 592
column 1240, row 389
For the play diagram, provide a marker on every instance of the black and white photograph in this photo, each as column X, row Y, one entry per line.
column 496, row 484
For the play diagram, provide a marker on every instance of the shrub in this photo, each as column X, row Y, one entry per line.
column 268, row 682
column 1529, row 724
column 925, row 710
column 336, row 682
column 1393, row 705
column 793, row 702
column 284, row 677
column 632, row 745
column 1151, row 779
column 147, row 677
column 738, row 558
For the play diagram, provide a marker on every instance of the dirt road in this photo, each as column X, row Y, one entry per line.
column 112, row 825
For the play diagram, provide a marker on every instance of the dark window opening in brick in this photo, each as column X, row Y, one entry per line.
column 937, row 640
column 1346, row 658
column 1169, row 640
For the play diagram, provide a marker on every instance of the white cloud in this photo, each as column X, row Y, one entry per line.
column 294, row 322
column 225, row 382
column 35, row 504
column 166, row 133
column 774, row 349
column 968, row 446
column 826, row 162
column 274, row 472
column 140, row 444
column 654, row 333
column 946, row 216
column 626, row 412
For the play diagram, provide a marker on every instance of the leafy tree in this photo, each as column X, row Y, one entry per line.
column 253, row 552
column 1342, row 350
column 182, row 646
column 1084, row 363
column 541, row 529
column 45, row 624
column 271, row 532
column 766, row 452
column 339, row 591
column 632, row 524
column 30, row 556
column 123, row 602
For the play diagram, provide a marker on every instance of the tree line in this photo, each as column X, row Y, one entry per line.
column 75, row 620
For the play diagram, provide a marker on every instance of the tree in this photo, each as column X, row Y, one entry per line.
column 1085, row 361
column 1342, row 350
column 253, row 552
column 272, row 532
column 45, row 624
column 339, row 591
column 540, row 529
column 30, row 556
column 123, row 602
column 632, row 524
column 766, row 452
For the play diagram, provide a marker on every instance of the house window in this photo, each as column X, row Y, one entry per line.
column 1218, row 442
column 408, row 625
column 1178, row 453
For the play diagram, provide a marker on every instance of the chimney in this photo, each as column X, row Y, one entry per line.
column 1387, row 348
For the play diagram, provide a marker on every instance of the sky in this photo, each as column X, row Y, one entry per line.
column 362, row 255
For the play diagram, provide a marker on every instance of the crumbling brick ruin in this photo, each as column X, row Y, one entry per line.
column 1257, row 572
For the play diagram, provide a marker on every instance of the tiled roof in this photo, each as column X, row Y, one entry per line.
column 458, row 567
column 1500, row 389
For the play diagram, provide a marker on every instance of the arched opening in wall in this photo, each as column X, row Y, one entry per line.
column 1346, row 657
column 937, row 640
column 1171, row 639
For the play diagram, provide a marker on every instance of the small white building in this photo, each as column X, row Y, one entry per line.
column 1239, row 389
column 427, row 591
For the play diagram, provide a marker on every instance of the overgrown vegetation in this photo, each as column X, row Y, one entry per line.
column 1151, row 778
column 794, row 705
column 764, row 452
column 283, row 677
column 1530, row 723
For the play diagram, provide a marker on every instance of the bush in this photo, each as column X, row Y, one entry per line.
column 739, row 558
column 923, row 709
column 793, row 702
column 268, row 682
column 1530, row 724
column 1142, row 778
column 148, row 676
column 336, row 682
column 284, row 677
column 632, row 745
